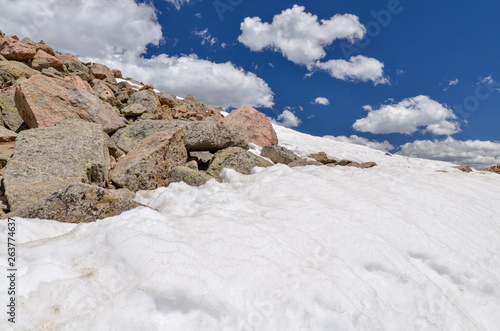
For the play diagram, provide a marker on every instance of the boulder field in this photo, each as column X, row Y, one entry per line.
column 77, row 140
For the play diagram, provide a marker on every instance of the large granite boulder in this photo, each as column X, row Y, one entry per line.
column 141, row 102
column 43, row 60
column 100, row 71
column 253, row 125
column 47, row 159
column 9, row 114
column 16, row 50
column 17, row 69
column 147, row 166
column 235, row 158
column 79, row 203
column 43, row 101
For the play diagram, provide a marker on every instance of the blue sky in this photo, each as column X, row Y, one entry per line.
column 419, row 74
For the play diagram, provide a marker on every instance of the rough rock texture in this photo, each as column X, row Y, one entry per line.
column 117, row 73
column 73, row 64
column 147, row 166
column 354, row 165
column 141, row 102
column 80, row 83
column 322, row 157
column 235, row 158
column 43, row 101
column 47, row 159
column 79, row 203
column 254, row 126
column 303, row 163
column 189, row 176
column 17, row 69
column 46, row 48
column 201, row 157
column 344, row 162
column 2, row 58
column 43, row 60
column 51, row 72
column 104, row 92
column 9, row 114
column 16, row 50
column 100, row 71
column 7, row 135
column 212, row 135
column 6, row 79
column 129, row 137
column 278, row 154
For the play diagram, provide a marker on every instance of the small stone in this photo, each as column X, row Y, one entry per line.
column 323, row 158
column 464, row 168
column 278, row 154
column 192, row 177
column 366, row 165
column 303, row 163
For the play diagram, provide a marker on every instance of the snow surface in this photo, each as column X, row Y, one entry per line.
column 401, row 246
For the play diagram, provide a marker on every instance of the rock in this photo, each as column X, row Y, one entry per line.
column 4, row 158
column 104, row 93
column 51, row 72
column 123, row 95
column 7, row 135
column 366, row 165
column 148, row 165
column 190, row 107
column 43, row 101
column 235, row 158
column 16, row 50
column 79, row 203
column 303, row 163
column 28, row 41
column 344, row 162
column 354, row 164
column 212, row 135
column 17, row 69
column 6, row 79
column 100, row 71
column 201, row 157
column 140, row 102
column 117, row 73
column 192, row 165
column 278, row 154
column 166, row 99
column 254, row 126
column 129, row 137
column 3, row 58
column 9, row 113
column 80, row 83
column 464, row 168
column 46, row 48
column 73, row 64
column 388, row 154
column 323, row 158
column 189, row 176
column 47, row 159
column 43, row 60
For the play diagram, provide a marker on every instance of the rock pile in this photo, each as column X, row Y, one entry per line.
column 77, row 140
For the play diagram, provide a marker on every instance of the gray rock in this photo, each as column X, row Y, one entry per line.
column 189, row 176
column 140, row 102
column 212, row 135
column 17, row 69
column 9, row 113
column 100, row 71
column 202, row 157
column 7, row 135
column 147, row 166
column 235, row 158
column 192, row 164
column 79, row 203
column 47, row 159
column 52, row 72
column 279, row 154
column 6, row 79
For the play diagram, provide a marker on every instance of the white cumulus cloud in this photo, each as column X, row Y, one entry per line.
column 353, row 139
column 302, row 38
column 476, row 153
column 359, row 67
column 287, row 119
column 116, row 33
column 321, row 101
column 419, row 113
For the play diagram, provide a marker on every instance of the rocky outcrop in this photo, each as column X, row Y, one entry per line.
column 43, row 102
column 212, row 135
column 189, row 176
column 141, row 102
column 235, row 158
column 254, row 126
column 100, row 71
column 79, row 203
column 47, row 159
column 147, row 166
column 279, row 154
